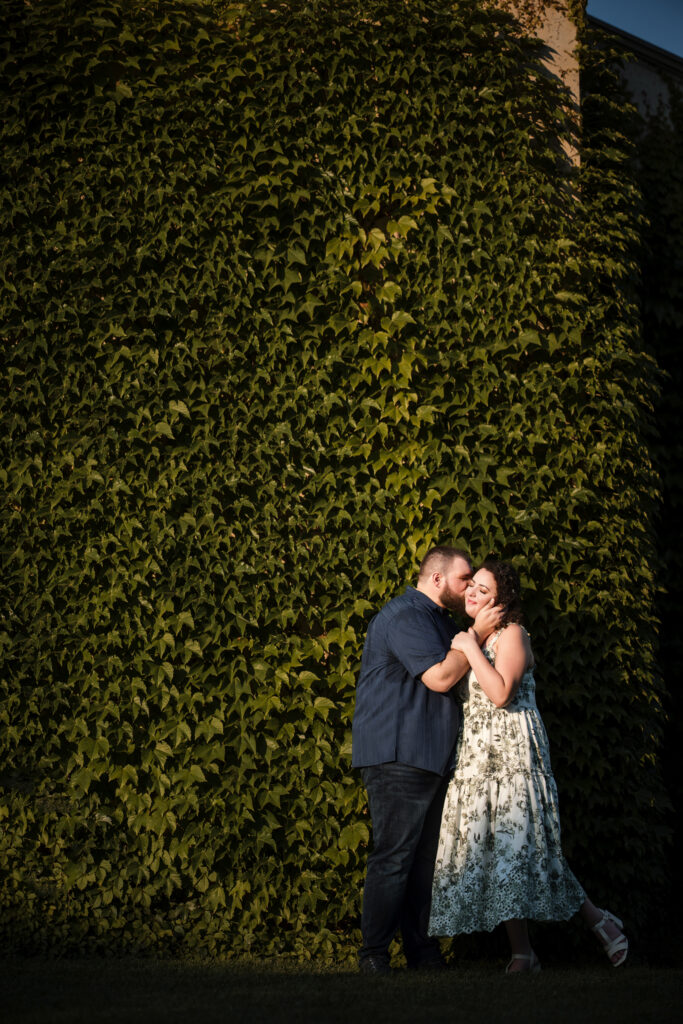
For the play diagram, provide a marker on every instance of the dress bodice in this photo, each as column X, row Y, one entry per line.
column 475, row 701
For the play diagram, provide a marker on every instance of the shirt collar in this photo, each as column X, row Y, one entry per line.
column 418, row 597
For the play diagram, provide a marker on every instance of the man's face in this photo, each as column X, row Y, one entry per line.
column 454, row 585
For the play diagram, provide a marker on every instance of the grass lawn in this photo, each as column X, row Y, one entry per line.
column 42, row 991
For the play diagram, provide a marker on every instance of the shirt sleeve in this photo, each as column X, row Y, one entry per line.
column 414, row 639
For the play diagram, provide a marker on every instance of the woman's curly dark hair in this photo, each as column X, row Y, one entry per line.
column 508, row 587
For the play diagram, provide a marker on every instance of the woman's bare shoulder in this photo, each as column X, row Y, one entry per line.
column 514, row 635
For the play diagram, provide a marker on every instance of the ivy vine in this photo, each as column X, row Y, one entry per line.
column 292, row 291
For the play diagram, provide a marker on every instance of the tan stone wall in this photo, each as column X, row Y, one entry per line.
column 531, row 13
column 558, row 32
column 550, row 21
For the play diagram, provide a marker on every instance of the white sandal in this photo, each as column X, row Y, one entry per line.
column 611, row 946
column 534, row 963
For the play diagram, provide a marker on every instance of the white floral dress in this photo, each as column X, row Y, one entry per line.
column 499, row 851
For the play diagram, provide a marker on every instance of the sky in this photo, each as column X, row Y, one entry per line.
column 657, row 21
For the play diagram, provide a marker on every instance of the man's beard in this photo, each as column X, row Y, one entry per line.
column 454, row 602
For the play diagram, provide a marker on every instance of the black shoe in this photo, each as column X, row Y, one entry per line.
column 374, row 965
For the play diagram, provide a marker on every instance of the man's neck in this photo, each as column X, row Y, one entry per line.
column 430, row 592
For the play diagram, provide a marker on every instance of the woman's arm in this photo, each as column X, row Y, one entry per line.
column 513, row 656
column 445, row 674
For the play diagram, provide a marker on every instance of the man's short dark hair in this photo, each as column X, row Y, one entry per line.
column 438, row 560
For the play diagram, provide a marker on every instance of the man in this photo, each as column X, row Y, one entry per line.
column 405, row 728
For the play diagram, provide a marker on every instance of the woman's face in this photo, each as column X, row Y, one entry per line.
column 481, row 589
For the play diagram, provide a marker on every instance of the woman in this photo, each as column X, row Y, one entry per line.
column 499, row 856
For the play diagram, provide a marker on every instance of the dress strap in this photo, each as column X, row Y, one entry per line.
column 492, row 639
column 492, row 643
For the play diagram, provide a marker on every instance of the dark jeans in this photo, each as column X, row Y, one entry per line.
column 405, row 806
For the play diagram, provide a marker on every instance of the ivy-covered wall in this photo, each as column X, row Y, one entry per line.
column 293, row 291
column 660, row 174
column 653, row 137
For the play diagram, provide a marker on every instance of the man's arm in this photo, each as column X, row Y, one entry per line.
column 445, row 674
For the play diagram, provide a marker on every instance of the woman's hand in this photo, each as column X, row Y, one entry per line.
column 488, row 619
column 465, row 642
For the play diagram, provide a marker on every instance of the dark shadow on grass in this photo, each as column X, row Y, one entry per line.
column 38, row 990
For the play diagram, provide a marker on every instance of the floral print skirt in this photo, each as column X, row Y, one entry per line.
column 500, row 854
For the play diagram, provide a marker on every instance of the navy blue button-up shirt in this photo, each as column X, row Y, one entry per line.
column 397, row 718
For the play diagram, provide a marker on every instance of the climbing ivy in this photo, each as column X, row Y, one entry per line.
column 292, row 291
column 660, row 160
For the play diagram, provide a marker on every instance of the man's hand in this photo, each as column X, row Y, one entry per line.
column 488, row 619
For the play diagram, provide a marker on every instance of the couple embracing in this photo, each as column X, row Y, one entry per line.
column 465, row 822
